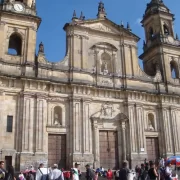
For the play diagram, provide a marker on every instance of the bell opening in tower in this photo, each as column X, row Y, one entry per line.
column 15, row 45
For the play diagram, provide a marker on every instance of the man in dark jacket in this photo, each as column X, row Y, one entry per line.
column 89, row 173
column 124, row 171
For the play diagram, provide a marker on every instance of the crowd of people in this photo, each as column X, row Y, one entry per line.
column 156, row 171
column 147, row 171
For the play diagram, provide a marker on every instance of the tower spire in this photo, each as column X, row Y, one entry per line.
column 82, row 17
column 74, row 15
column 101, row 10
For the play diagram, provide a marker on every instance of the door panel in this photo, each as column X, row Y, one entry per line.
column 57, row 150
column 152, row 146
column 108, row 147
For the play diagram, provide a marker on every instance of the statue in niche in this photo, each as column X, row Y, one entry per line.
column 56, row 119
column 105, row 71
column 150, row 125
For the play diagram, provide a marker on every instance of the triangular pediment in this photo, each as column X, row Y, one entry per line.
column 107, row 26
column 101, row 26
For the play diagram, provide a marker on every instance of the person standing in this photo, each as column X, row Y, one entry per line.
column 2, row 170
column 41, row 174
column 168, row 172
column 68, row 175
column 10, row 173
column 21, row 176
column 75, row 172
column 89, row 173
column 124, row 172
column 116, row 174
column 142, row 174
column 152, row 172
column 96, row 175
column 109, row 174
column 56, row 174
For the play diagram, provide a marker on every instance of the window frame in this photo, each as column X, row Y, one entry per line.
column 9, row 125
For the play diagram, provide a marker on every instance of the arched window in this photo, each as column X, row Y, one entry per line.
column 151, row 123
column 174, row 70
column 106, row 64
column 151, row 33
column 166, row 29
column 15, row 45
column 57, row 116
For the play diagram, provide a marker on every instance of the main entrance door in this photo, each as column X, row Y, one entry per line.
column 57, row 150
column 108, row 147
column 152, row 145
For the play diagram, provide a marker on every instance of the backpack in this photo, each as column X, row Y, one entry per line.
column 44, row 176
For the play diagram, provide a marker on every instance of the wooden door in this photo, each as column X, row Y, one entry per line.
column 108, row 147
column 152, row 146
column 8, row 161
column 57, row 150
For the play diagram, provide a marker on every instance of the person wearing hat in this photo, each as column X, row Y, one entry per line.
column 89, row 173
column 56, row 174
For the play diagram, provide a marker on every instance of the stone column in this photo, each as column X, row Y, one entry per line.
column 77, row 126
column 96, row 142
column 124, row 140
column 28, row 124
column 119, row 144
column 87, row 130
column 41, row 119
column 167, row 131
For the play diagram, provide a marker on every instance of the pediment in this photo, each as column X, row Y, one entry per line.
column 101, row 26
column 106, row 26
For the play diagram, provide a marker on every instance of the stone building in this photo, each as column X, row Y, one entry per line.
column 96, row 106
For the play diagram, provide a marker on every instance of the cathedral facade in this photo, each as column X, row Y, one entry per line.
column 96, row 106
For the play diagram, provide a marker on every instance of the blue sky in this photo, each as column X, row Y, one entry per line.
column 55, row 13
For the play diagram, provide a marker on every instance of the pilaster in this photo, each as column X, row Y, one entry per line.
column 28, row 124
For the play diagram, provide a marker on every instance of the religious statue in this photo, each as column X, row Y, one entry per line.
column 105, row 71
column 56, row 120
column 101, row 7
column 150, row 126
column 41, row 47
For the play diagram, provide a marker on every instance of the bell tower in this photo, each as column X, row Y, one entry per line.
column 161, row 46
column 18, row 26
